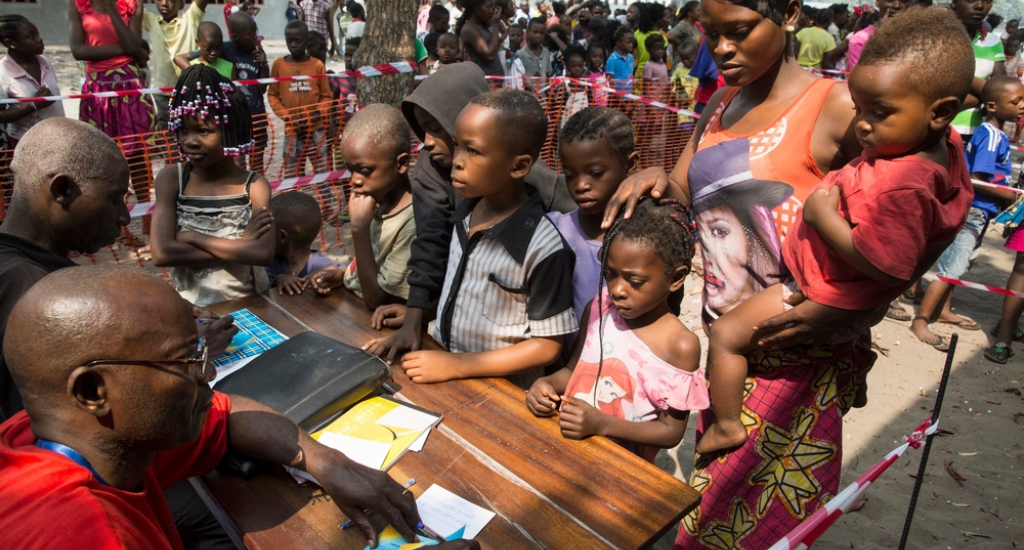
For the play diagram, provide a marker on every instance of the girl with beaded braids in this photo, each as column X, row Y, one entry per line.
column 635, row 373
column 212, row 224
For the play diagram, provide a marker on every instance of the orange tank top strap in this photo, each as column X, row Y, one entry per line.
column 780, row 151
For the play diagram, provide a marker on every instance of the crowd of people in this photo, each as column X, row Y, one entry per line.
column 790, row 199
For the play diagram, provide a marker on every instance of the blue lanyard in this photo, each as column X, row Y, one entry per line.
column 62, row 449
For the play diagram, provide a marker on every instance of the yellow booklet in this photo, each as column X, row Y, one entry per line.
column 378, row 431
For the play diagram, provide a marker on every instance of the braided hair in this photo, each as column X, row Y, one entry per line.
column 9, row 24
column 202, row 92
column 468, row 7
column 666, row 226
column 595, row 123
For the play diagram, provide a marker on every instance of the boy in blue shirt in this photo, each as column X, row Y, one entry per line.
column 988, row 159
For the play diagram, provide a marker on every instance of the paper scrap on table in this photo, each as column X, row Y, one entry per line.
column 408, row 418
column 368, row 453
column 417, row 445
column 389, row 539
column 445, row 512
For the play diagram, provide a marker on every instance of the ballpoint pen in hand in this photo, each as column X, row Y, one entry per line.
column 408, row 484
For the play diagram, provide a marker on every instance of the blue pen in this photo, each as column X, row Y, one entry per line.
column 410, row 483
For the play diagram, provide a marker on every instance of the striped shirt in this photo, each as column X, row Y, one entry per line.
column 988, row 51
column 506, row 284
column 317, row 12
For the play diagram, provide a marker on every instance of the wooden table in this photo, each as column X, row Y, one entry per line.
column 546, row 491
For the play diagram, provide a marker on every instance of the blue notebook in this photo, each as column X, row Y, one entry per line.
column 254, row 337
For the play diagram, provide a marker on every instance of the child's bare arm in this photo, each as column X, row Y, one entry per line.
column 247, row 251
column 182, row 60
column 821, row 211
column 543, row 395
column 578, row 419
column 361, row 209
column 167, row 250
column 999, row 193
column 426, row 367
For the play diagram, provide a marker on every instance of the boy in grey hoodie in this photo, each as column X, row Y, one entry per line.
column 431, row 111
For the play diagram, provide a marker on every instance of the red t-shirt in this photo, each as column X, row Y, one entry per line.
column 50, row 501
column 899, row 209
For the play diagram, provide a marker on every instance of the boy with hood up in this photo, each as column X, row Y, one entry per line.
column 431, row 111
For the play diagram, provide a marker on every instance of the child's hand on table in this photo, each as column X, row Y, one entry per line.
column 428, row 367
column 361, row 209
column 542, row 398
column 260, row 222
column 388, row 316
column 286, row 282
column 820, row 204
column 326, row 279
column 579, row 419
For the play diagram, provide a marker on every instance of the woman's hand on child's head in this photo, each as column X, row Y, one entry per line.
column 542, row 398
column 361, row 209
column 289, row 283
column 259, row 223
column 388, row 316
column 326, row 279
column 819, row 204
column 429, row 367
column 578, row 419
column 651, row 181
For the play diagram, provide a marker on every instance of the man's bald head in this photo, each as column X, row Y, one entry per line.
column 82, row 314
column 64, row 146
column 70, row 182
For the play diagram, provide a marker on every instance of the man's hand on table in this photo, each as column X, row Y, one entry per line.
column 216, row 331
column 355, row 488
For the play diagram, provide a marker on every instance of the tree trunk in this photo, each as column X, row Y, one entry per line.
column 390, row 36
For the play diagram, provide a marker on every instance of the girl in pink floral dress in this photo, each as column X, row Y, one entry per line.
column 636, row 375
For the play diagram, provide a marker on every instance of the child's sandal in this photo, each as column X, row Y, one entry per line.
column 999, row 353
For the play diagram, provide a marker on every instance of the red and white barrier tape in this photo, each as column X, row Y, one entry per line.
column 146, row 208
column 997, row 186
column 627, row 95
column 804, row 535
column 976, row 286
column 362, row 72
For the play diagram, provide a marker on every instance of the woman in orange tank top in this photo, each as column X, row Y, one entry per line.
column 762, row 144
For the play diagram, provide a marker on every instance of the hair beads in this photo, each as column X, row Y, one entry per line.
column 201, row 92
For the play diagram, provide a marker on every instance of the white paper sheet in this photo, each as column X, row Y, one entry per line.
column 445, row 512
column 408, row 418
column 222, row 374
column 366, row 452
column 417, row 445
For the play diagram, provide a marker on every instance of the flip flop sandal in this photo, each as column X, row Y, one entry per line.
column 941, row 345
column 999, row 353
column 911, row 297
column 897, row 312
column 1017, row 336
column 964, row 323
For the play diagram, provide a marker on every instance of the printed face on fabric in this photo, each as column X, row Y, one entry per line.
column 738, row 238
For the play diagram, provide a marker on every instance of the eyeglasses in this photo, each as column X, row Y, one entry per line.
column 197, row 366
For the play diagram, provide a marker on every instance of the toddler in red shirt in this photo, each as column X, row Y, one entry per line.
column 874, row 226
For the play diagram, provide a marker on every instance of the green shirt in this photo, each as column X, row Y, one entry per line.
column 421, row 51
column 987, row 52
column 641, row 52
column 815, row 42
column 222, row 66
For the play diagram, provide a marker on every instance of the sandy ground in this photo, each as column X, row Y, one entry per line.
column 983, row 400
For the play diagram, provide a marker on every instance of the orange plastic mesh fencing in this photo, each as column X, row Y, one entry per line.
column 661, row 133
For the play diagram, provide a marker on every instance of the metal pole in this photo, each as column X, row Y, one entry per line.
column 928, row 441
